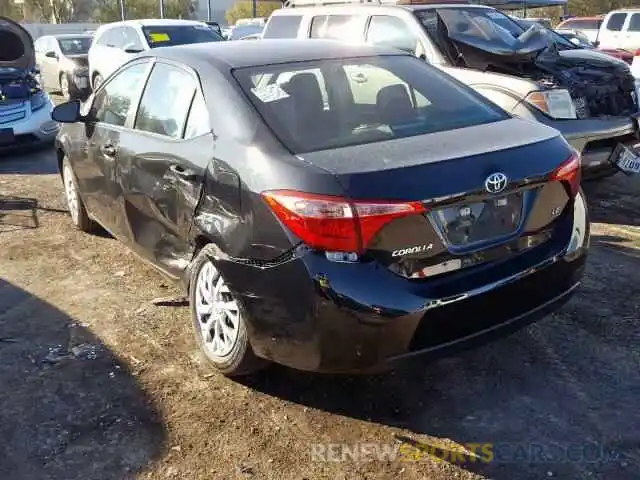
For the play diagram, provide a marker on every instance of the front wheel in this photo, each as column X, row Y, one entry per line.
column 78, row 212
column 218, row 321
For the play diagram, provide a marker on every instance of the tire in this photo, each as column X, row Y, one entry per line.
column 225, row 347
column 77, row 210
column 97, row 81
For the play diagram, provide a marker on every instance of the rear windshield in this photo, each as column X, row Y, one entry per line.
column 75, row 46
column 166, row 36
column 335, row 103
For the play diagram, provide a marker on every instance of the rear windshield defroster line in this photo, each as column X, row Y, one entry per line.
column 324, row 104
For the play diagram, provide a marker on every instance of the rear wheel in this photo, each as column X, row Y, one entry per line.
column 218, row 320
column 78, row 212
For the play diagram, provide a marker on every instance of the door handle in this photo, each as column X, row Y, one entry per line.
column 182, row 172
column 108, row 150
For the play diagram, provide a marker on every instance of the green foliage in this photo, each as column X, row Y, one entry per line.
column 109, row 10
column 582, row 8
column 244, row 9
column 10, row 10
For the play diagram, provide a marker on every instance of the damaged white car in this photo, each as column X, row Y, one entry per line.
column 25, row 109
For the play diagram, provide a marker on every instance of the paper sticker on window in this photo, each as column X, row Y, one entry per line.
column 269, row 93
column 159, row 37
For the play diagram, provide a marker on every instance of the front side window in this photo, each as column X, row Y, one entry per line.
column 131, row 39
column 170, row 35
column 114, row 101
column 339, row 27
column 391, row 32
column 360, row 100
column 282, row 26
column 634, row 23
column 75, row 45
column 616, row 22
column 165, row 101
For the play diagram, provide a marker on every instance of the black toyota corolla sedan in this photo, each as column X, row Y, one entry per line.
column 329, row 207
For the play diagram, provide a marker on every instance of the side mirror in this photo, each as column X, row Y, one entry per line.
column 132, row 48
column 51, row 54
column 68, row 112
column 596, row 43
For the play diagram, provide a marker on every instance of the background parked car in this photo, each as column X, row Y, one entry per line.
column 590, row 26
column 63, row 61
column 620, row 29
column 116, row 43
column 588, row 96
column 25, row 108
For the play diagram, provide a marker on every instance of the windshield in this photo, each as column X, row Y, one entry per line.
column 557, row 38
column 75, row 46
column 335, row 103
column 482, row 22
column 170, row 35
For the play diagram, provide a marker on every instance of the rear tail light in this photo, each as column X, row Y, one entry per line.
column 569, row 173
column 637, row 53
column 334, row 223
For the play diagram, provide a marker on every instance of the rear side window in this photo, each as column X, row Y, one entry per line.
column 328, row 104
column 616, row 21
column 282, row 26
column 339, row 27
column 101, row 39
column 391, row 32
column 198, row 122
column 634, row 23
column 165, row 101
column 114, row 38
column 114, row 101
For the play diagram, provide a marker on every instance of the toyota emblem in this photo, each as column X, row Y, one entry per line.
column 496, row 182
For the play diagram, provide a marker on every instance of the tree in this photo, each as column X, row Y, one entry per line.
column 10, row 10
column 244, row 9
column 109, row 10
column 60, row 11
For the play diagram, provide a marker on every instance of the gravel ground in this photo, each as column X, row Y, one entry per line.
column 97, row 382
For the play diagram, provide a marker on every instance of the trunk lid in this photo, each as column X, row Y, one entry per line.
column 471, row 216
column 17, row 46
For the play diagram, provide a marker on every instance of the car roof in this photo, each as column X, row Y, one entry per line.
column 152, row 22
column 375, row 7
column 598, row 17
column 267, row 52
column 73, row 35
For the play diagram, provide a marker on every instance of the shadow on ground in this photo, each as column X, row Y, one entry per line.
column 29, row 161
column 21, row 213
column 614, row 200
column 559, row 398
column 68, row 409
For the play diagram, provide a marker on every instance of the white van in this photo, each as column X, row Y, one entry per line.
column 620, row 29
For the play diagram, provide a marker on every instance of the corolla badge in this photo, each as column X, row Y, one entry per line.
column 496, row 182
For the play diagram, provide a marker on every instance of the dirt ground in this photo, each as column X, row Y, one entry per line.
column 96, row 382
